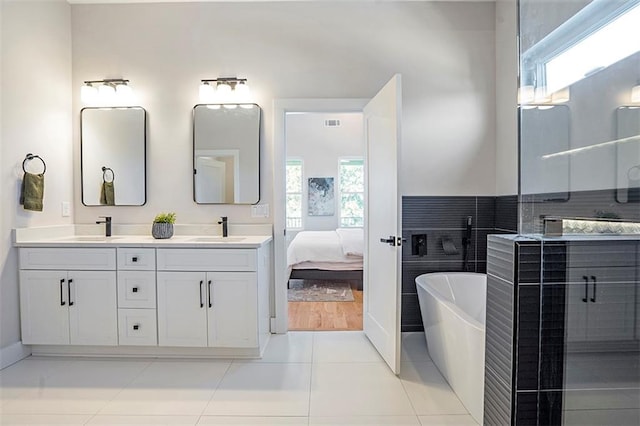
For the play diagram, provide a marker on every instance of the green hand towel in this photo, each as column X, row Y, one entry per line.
column 32, row 191
column 107, row 194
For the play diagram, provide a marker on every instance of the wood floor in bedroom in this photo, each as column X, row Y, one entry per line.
column 326, row 315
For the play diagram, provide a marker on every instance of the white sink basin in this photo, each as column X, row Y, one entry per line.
column 217, row 239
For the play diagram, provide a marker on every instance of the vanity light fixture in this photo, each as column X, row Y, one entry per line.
column 229, row 91
column 561, row 96
column 104, row 92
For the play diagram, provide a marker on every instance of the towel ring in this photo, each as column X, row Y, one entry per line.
column 106, row 169
column 30, row 156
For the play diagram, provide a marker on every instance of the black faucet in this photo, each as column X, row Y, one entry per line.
column 107, row 227
column 223, row 222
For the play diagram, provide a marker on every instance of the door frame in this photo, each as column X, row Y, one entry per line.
column 280, row 323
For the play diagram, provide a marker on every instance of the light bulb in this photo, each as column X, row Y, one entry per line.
column 230, row 106
column 635, row 94
column 207, row 92
column 242, row 92
column 88, row 93
column 124, row 91
column 525, row 94
column 223, row 92
column 106, row 93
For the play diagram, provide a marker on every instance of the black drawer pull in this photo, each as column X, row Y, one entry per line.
column 209, row 283
column 586, row 288
column 134, row 289
column 136, row 326
column 201, row 303
column 62, row 302
column 134, row 259
column 593, row 278
column 70, row 301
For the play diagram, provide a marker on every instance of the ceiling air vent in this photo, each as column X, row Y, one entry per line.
column 332, row 123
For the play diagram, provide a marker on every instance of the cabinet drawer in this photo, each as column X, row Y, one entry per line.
column 137, row 327
column 604, row 254
column 140, row 259
column 137, row 289
column 207, row 259
column 87, row 259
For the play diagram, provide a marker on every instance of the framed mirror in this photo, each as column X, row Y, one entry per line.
column 113, row 156
column 628, row 154
column 226, row 154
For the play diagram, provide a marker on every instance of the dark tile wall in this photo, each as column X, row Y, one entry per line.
column 444, row 218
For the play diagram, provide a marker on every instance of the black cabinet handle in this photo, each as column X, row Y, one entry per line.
column 201, row 303
column 586, row 288
column 134, row 259
column 595, row 282
column 62, row 302
column 70, row 301
column 134, row 289
column 136, row 326
column 209, row 284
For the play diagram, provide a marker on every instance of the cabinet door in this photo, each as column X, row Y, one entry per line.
column 576, row 305
column 611, row 311
column 232, row 305
column 44, row 314
column 93, row 312
column 182, row 316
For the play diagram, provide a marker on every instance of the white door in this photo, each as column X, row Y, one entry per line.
column 210, row 185
column 382, row 284
column 44, row 313
column 232, row 301
column 93, row 310
column 182, row 316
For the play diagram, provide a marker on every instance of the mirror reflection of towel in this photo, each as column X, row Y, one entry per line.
column 32, row 191
column 107, row 194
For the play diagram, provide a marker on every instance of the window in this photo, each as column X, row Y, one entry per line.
column 294, row 193
column 351, row 175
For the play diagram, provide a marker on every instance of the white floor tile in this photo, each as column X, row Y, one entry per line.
column 79, row 387
column 365, row 421
column 343, row 346
column 27, row 374
column 449, row 420
column 414, row 347
column 43, row 419
column 357, row 389
column 263, row 389
column 251, row 421
column 294, row 346
column 143, row 420
column 170, row 388
column 429, row 392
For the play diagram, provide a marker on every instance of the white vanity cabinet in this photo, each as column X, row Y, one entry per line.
column 210, row 298
column 68, row 296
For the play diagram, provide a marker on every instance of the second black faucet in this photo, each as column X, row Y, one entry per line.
column 223, row 222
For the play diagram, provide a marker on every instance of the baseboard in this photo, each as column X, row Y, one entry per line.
column 13, row 353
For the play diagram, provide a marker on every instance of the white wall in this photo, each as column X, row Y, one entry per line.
column 506, row 98
column 320, row 148
column 445, row 52
column 36, row 118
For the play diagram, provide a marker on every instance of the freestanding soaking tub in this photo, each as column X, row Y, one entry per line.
column 453, row 307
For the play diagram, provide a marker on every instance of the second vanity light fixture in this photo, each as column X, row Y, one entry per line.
column 229, row 91
column 115, row 91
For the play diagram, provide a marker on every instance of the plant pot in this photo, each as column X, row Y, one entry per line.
column 162, row 231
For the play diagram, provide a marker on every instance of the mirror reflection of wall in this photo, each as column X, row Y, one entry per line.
column 226, row 149
column 113, row 159
column 628, row 155
column 544, row 137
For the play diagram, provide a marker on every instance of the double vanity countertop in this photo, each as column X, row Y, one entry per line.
column 186, row 236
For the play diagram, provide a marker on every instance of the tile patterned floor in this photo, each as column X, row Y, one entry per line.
column 304, row 378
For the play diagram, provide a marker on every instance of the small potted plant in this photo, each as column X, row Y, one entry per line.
column 163, row 225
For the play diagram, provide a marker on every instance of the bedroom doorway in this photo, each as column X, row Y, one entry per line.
column 324, row 210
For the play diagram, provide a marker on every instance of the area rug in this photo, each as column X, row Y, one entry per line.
column 319, row 291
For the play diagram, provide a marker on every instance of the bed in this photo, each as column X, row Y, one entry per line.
column 329, row 255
